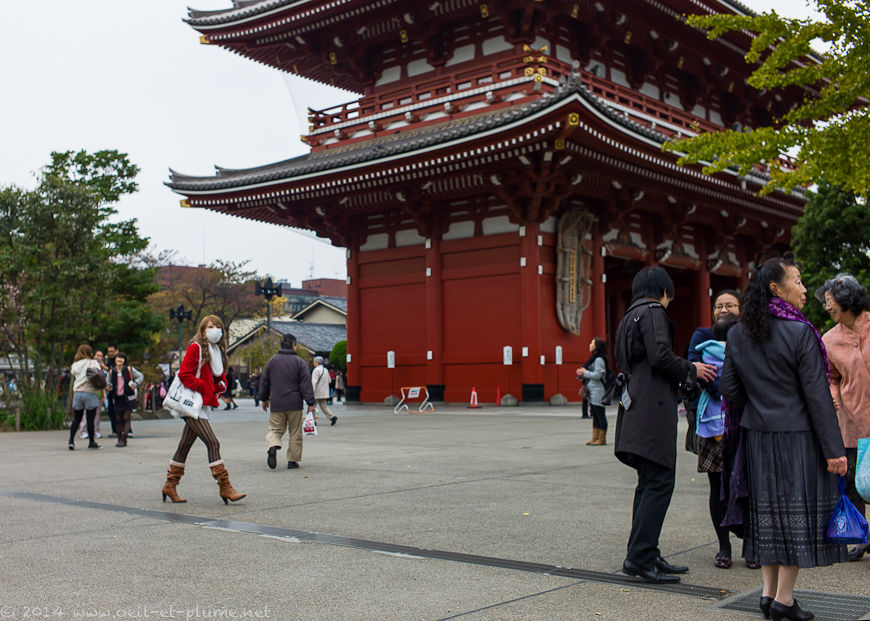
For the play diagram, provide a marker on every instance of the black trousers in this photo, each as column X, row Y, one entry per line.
column 599, row 416
column 652, row 497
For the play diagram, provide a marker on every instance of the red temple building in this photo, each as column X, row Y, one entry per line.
column 500, row 179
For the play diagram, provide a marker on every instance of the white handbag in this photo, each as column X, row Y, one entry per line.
column 181, row 400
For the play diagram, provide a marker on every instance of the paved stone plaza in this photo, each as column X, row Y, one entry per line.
column 497, row 513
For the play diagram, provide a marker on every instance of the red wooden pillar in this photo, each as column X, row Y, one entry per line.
column 531, row 300
column 354, row 331
column 434, row 317
column 597, row 302
column 703, row 303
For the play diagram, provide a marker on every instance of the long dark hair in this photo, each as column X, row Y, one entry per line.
column 754, row 314
column 599, row 351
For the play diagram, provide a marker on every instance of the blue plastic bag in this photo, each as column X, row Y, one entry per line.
column 846, row 524
column 862, row 469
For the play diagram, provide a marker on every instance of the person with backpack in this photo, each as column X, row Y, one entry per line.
column 594, row 374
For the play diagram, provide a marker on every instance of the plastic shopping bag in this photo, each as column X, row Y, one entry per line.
column 862, row 469
column 846, row 525
column 308, row 426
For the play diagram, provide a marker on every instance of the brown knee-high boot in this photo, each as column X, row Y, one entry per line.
column 601, row 440
column 176, row 470
column 227, row 492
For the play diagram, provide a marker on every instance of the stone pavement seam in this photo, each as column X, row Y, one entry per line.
column 375, row 546
column 514, row 600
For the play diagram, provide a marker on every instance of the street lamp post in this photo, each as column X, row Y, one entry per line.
column 268, row 291
column 180, row 315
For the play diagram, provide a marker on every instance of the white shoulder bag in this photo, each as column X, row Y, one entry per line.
column 182, row 401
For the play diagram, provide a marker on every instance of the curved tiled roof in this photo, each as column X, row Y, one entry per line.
column 227, row 179
column 244, row 9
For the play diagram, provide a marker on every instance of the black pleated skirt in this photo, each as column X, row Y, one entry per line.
column 791, row 498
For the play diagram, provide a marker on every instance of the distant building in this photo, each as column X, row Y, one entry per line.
column 327, row 286
column 324, row 310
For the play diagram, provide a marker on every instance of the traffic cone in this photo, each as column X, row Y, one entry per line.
column 473, row 401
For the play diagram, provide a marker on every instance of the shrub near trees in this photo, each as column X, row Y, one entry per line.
column 65, row 273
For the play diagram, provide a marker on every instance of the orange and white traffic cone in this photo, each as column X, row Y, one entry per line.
column 473, row 401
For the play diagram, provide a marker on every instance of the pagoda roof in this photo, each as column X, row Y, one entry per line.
column 340, row 159
column 244, row 10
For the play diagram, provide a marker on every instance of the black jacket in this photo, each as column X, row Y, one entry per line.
column 286, row 381
column 781, row 384
column 649, row 427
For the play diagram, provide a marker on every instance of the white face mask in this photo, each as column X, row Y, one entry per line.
column 214, row 335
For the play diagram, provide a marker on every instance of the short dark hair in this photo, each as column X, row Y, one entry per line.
column 847, row 292
column 652, row 282
column 121, row 354
column 723, row 324
column 288, row 341
column 115, row 345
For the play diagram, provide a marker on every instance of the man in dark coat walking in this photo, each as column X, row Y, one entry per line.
column 646, row 423
column 284, row 385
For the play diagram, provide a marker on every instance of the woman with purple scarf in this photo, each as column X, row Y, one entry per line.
column 776, row 375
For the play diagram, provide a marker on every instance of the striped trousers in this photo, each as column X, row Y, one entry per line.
column 197, row 428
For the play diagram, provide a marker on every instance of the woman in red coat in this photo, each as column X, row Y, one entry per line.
column 202, row 370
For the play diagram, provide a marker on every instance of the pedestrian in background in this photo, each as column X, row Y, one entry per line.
column 124, row 382
column 592, row 373
column 776, row 372
column 646, row 423
column 848, row 345
column 230, row 390
column 202, row 370
column 254, row 384
column 85, row 395
column 339, row 386
column 320, row 381
column 84, row 434
column 284, row 384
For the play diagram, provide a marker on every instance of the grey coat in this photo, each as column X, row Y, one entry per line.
column 644, row 348
column 595, row 380
column 781, row 384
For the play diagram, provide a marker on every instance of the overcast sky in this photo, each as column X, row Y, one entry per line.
column 130, row 75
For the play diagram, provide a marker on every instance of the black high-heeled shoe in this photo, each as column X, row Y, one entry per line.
column 794, row 612
column 764, row 603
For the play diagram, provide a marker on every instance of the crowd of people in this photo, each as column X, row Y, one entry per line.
column 775, row 412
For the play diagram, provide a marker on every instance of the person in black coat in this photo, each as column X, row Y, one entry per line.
column 646, row 422
column 775, row 372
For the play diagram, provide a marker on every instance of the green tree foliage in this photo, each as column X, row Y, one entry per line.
column 832, row 236
column 65, row 276
column 829, row 129
column 338, row 356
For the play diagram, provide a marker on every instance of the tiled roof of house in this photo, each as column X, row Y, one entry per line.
column 319, row 337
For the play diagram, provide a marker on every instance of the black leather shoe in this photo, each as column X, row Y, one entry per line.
column 652, row 574
column 667, row 568
column 333, row 420
column 764, row 604
column 270, row 460
column 793, row 612
column 291, row 465
column 95, row 446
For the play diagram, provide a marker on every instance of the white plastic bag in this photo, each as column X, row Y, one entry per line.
column 862, row 469
column 308, row 426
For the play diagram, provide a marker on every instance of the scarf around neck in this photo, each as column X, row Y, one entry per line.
column 215, row 360
column 781, row 309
